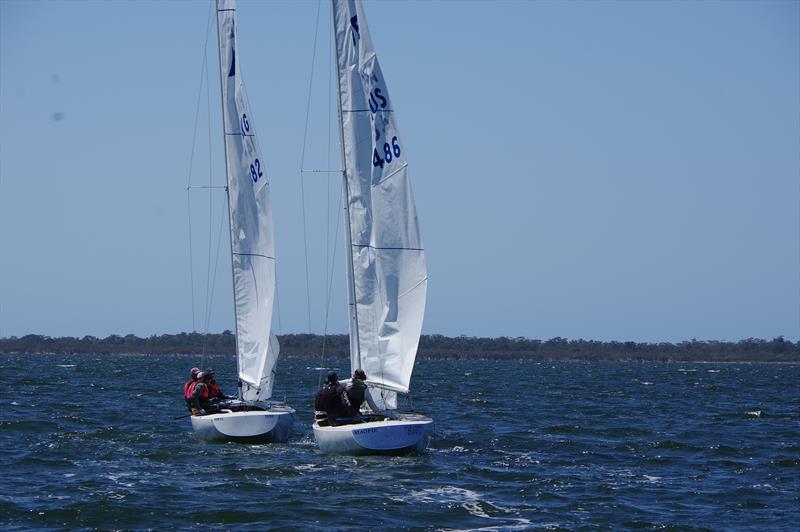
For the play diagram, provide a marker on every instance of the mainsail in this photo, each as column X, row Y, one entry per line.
column 252, row 244
column 388, row 275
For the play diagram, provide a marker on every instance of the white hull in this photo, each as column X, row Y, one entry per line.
column 266, row 426
column 411, row 433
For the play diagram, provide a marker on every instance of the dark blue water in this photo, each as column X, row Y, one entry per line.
column 89, row 442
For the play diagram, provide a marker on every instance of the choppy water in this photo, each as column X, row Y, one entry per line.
column 90, row 441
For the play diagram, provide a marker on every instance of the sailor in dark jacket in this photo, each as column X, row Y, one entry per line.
column 357, row 392
column 331, row 403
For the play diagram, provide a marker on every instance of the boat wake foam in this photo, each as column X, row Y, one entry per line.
column 472, row 502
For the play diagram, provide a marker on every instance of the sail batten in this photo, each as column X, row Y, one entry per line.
column 388, row 272
column 250, row 215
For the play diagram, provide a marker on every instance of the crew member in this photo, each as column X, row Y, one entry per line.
column 199, row 400
column 188, row 387
column 357, row 392
column 214, row 391
column 331, row 403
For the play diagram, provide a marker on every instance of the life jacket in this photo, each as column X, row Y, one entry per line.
column 203, row 395
column 188, row 389
column 214, row 390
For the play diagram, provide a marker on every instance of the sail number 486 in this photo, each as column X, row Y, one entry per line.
column 388, row 153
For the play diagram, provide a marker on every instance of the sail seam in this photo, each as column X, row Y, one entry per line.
column 386, row 249
column 391, row 175
column 413, row 287
column 240, row 134
column 254, row 255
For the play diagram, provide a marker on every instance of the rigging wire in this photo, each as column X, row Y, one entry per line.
column 203, row 81
column 191, row 165
column 210, row 220
column 329, row 282
column 209, row 288
column 328, row 179
column 330, row 254
column 302, row 160
column 213, row 285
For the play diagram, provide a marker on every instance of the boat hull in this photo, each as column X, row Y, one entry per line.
column 256, row 426
column 410, row 434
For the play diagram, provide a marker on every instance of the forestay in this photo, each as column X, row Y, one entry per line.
column 252, row 244
column 389, row 275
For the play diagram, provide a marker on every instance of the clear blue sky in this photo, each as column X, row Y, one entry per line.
column 604, row 170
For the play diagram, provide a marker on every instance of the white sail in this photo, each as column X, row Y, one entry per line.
column 252, row 244
column 389, row 275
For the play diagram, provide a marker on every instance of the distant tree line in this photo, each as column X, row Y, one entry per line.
column 431, row 346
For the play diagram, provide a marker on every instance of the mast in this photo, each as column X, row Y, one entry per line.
column 351, row 283
column 228, row 196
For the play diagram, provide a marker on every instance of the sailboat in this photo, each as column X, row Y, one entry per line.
column 386, row 270
column 252, row 416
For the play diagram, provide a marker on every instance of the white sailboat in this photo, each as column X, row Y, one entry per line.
column 387, row 274
column 252, row 417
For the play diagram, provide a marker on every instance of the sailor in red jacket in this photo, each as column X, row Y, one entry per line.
column 188, row 388
column 214, row 391
column 198, row 401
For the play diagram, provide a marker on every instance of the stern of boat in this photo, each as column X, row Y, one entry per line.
column 255, row 426
column 409, row 434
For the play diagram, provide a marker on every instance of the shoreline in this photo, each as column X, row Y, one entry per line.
column 430, row 347
column 421, row 357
